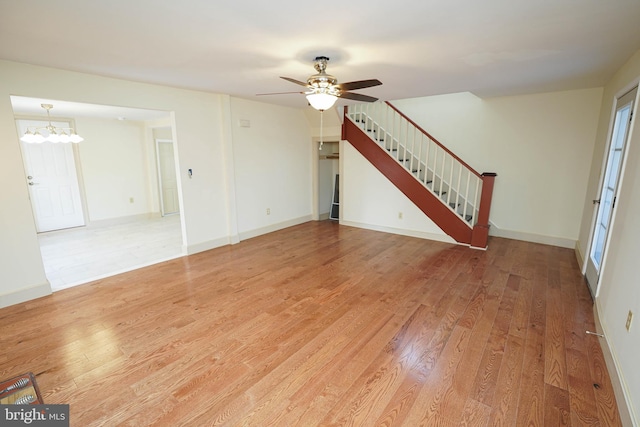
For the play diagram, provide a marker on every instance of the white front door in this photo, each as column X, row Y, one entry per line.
column 53, row 182
column 608, row 192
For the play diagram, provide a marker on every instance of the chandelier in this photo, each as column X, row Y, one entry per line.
column 54, row 134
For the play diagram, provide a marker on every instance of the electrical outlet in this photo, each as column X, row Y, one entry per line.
column 268, row 211
column 629, row 318
column 399, row 215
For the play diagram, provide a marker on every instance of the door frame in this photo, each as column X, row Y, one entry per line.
column 635, row 85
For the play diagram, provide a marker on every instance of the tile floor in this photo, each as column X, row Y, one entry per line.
column 80, row 255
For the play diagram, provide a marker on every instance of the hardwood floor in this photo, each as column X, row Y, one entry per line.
column 322, row 325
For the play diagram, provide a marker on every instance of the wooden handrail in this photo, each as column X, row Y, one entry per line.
column 479, row 175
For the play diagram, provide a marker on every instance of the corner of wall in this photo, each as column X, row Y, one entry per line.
column 205, row 246
column 24, row 295
column 274, row 227
column 579, row 256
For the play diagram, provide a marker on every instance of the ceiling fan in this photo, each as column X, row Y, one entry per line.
column 323, row 89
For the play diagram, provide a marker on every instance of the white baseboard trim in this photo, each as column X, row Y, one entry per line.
column 232, row 240
column 562, row 242
column 205, row 246
column 324, row 216
column 579, row 256
column 24, row 295
column 124, row 219
column 274, row 227
column 411, row 233
column 620, row 389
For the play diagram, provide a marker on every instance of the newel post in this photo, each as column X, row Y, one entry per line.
column 480, row 234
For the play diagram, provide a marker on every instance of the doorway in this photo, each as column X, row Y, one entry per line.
column 167, row 181
column 116, row 174
column 328, row 167
column 606, row 201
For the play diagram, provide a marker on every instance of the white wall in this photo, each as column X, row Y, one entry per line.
column 113, row 159
column 272, row 164
column 539, row 145
column 619, row 289
column 203, row 137
column 369, row 200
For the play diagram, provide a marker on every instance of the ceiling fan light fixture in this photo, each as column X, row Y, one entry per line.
column 321, row 101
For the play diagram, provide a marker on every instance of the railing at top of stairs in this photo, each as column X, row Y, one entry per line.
column 458, row 186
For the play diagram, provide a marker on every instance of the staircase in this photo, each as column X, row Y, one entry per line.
column 445, row 188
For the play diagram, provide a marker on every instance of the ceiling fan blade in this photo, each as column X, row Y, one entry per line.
column 360, row 84
column 357, row 97
column 298, row 82
column 276, row 93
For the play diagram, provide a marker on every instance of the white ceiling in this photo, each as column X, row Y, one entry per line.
column 416, row 47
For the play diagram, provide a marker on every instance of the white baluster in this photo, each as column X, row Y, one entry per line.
column 450, row 180
column 458, row 186
column 466, row 196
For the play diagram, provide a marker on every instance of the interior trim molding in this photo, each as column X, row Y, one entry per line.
column 404, row 232
column 274, row 227
column 24, row 295
column 205, row 246
column 124, row 219
column 562, row 242
column 579, row 256
column 619, row 389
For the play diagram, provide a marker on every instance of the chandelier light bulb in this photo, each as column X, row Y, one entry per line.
column 28, row 137
column 64, row 137
column 53, row 137
column 38, row 138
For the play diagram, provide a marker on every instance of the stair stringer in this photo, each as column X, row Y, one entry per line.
column 424, row 199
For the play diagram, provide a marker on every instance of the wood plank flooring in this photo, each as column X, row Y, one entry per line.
column 323, row 325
